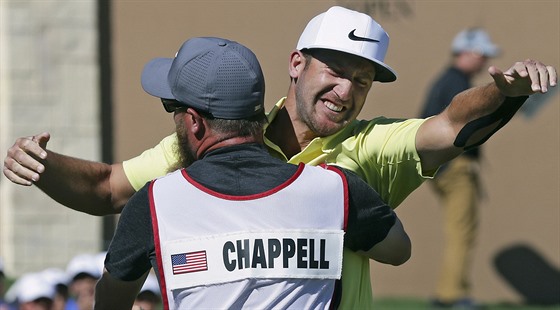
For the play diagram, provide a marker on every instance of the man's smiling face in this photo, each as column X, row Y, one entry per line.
column 332, row 89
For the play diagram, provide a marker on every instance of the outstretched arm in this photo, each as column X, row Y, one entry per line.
column 395, row 249
column 477, row 113
column 91, row 187
column 113, row 293
column 373, row 228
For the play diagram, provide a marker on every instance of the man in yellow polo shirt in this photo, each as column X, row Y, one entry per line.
column 338, row 57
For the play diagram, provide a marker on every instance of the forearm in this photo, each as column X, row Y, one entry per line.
column 471, row 118
column 112, row 293
column 78, row 184
column 478, row 113
column 474, row 103
column 395, row 249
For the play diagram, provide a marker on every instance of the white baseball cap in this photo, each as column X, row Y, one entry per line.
column 55, row 276
column 33, row 286
column 87, row 264
column 151, row 285
column 474, row 40
column 352, row 32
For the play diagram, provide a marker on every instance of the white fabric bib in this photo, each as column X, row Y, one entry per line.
column 278, row 249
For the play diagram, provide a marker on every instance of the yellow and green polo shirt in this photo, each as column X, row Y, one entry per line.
column 381, row 151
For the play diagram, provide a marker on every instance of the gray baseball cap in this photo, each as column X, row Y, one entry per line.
column 213, row 75
column 474, row 40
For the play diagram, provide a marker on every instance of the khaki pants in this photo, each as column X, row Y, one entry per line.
column 458, row 190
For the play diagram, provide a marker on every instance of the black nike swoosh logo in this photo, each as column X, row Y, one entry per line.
column 354, row 37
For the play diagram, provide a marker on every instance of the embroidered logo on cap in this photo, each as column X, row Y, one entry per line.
column 354, row 37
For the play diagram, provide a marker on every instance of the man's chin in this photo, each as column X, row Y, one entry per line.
column 326, row 131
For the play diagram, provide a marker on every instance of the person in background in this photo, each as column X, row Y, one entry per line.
column 31, row 291
column 149, row 297
column 339, row 56
column 457, row 183
column 83, row 271
column 58, row 278
column 3, row 304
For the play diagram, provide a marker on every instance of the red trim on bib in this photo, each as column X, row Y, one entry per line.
column 245, row 197
column 155, row 229
column 345, row 188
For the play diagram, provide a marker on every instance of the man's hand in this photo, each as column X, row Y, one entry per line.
column 87, row 186
column 22, row 163
column 524, row 78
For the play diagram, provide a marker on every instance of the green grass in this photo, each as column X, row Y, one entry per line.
column 418, row 304
column 406, row 303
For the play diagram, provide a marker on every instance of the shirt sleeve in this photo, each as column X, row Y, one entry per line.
column 389, row 161
column 369, row 217
column 129, row 253
column 153, row 163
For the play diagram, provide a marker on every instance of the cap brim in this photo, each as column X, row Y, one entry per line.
column 383, row 73
column 154, row 78
column 492, row 51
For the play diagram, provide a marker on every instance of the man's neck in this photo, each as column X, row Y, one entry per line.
column 216, row 142
column 287, row 131
column 281, row 132
column 463, row 65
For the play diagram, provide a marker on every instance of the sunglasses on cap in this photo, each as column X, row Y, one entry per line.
column 172, row 105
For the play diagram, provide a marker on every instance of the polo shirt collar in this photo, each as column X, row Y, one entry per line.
column 327, row 144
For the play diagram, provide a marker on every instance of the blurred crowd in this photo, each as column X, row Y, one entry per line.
column 67, row 289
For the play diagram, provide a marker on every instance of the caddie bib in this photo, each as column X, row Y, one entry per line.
column 278, row 249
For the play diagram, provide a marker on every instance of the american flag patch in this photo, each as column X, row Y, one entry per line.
column 189, row 262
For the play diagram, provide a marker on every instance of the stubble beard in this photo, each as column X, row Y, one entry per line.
column 186, row 157
column 307, row 113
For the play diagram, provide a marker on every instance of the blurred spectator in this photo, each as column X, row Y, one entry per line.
column 83, row 272
column 149, row 297
column 3, row 304
column 31, row 291
column 457, row 183
column 58, row 278
column 57, row 289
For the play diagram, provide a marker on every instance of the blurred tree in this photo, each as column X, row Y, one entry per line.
column 389, row 9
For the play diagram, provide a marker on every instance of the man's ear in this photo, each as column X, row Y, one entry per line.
column 297, row 64
column 196, row 123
